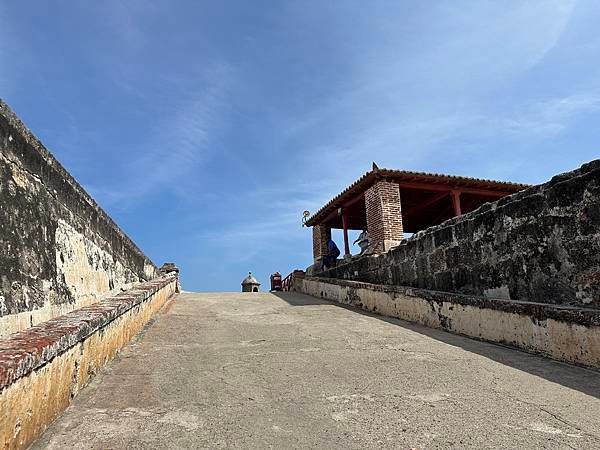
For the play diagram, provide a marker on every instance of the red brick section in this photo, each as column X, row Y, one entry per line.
column 321, row 234
column 384, row 218
column 25, row 351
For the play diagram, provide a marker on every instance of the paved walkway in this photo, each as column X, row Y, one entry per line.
column 260, row 370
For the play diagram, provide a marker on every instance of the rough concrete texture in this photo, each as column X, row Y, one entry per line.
column 541, row 244
column 291, row 371
column 569, row 334
column 59, row 250
column 43, row 368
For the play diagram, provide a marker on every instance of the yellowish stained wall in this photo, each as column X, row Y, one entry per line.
column 32, row 402
column 60, row 251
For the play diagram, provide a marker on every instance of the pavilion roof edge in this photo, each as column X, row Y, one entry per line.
column 366, row 180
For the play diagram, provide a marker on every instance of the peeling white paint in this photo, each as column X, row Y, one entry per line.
column 86, row 268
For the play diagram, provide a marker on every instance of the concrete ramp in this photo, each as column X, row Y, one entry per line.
column 292, row 371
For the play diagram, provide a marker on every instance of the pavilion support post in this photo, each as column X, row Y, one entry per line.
column 456, row 203
column 384, row 216
column 321, row 235
column 346, row 242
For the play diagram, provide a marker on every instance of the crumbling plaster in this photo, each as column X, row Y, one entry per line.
column 58, row 249
column 42, row 369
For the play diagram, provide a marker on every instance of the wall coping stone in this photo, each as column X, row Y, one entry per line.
column 538, row 311
column 24, row 351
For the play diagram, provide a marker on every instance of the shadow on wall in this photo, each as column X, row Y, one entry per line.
column 579, row 378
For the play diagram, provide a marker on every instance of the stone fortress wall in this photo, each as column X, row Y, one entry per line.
column 523, row 271
column 539, row 245
column 59, row 250
column 74, row 289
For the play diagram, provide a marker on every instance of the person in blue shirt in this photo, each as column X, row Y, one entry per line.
column 332, row 254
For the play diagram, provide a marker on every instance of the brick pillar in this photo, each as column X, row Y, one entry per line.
column 321, row 234
column 384, row 218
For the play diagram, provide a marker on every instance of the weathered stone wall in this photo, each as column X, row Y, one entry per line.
column 541, row 244
column 58, row 249
column 44, row 367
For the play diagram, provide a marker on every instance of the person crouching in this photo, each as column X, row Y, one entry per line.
column 330, row 259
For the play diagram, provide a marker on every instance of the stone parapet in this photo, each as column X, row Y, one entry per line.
column 42, row 368
column 60, row 251
column 539, row 245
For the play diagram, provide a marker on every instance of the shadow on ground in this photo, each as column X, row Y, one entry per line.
column 297, row 299
column 575, row 377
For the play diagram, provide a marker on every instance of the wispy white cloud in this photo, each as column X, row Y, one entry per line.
column 125, row 18
column 400, row 111
column 130, row 36
column 237, row 233
column 488, row 41
column 539, row 119
column 271, row 236
column 179, row 145
column 551, row 116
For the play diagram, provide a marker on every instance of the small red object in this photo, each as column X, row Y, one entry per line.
column 276, row 282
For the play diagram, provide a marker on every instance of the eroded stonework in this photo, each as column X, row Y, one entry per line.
column 58, row 249
column 541, row 244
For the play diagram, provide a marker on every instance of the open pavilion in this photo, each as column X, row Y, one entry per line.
column 389, row 202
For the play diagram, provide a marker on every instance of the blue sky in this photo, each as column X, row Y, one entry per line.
column 205, row 128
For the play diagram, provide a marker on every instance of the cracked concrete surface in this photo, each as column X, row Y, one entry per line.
column 288, row 370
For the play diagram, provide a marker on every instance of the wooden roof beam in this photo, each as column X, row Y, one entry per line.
column 432, row 200
column 333, row 214
column 463, row 190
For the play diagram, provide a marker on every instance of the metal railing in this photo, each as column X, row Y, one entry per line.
column 286, row 283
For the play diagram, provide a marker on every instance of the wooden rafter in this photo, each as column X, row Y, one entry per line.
column 429, row 202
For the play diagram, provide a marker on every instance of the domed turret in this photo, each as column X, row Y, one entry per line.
column 250, row 284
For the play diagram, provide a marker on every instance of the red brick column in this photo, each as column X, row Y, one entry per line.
column 321, row 234
column 384, row 218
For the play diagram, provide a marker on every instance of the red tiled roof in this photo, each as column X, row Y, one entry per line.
column 368, row 179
